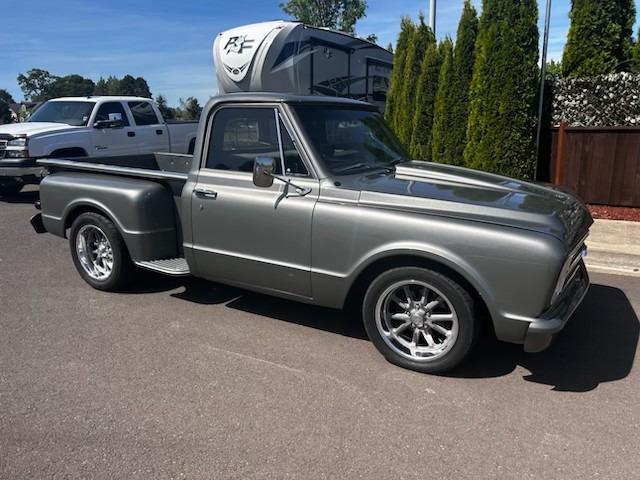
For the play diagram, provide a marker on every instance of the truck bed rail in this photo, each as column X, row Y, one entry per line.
column 112, row 169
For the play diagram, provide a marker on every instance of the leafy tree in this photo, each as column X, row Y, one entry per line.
column 142, row 88
column 5, row 112
column 127, row 85
column 427, row 86
column 72, row 86
column 422, row 38
column 6, row 96
column 407, row 30
column 337, row 14
column 101, row 87
column 37, row 84
column 554, row 69
column 502, row 116
column 372, row 37
column 452, row 130
column 390, row 47
column 442, row 114
column 167, row 112
column 599, row 39
column 189, row 109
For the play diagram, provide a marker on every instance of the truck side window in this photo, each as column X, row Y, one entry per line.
column 143, row 113
column 111, row 107
column 240, row 135
column 293, row 163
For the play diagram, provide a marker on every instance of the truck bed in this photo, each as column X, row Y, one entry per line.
column 147, row 201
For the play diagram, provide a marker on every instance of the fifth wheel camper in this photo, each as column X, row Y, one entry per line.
column 291, row 57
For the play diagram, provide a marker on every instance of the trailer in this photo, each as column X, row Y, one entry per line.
column 291, row 57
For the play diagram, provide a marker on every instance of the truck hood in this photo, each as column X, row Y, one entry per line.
column 458, row 192
column 32, row 128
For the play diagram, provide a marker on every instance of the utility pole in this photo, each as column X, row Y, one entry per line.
column 432, row 16
column 543, row 73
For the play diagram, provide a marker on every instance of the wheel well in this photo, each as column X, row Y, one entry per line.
column 359, row 287
column 192, row 146
column 79, row 210
column 69, row 152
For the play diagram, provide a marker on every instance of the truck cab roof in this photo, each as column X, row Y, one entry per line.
column 98, row 98
column 276, row 97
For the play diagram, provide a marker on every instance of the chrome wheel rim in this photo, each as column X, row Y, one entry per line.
column 94, row 252
column 416, row 320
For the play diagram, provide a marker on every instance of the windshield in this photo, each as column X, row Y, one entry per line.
column 349, row 140
column 71, row 113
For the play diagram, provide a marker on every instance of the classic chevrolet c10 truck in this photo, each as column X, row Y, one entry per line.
column 313, row 199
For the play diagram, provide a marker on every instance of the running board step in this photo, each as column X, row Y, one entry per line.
column 169, row 266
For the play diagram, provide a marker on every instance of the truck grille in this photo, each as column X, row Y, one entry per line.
column 3, row 148
column 570, row 268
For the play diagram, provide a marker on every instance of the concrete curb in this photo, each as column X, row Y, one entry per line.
column 614, row 247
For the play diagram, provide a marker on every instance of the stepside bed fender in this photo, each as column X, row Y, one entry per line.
column 142, row 210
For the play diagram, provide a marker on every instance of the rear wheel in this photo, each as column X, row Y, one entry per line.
column 99, row 252
column 420, row 319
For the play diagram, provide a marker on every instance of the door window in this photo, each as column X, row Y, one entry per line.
column 143, row 113
column 239, row 135
column 110, row 111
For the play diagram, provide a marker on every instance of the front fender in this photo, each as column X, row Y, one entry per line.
column 514, row 270
column 45, row 145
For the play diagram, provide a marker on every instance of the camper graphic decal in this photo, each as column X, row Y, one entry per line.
column 237, row 44
column 237, row 48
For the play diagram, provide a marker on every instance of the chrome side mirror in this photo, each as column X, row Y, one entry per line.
column 263, row 170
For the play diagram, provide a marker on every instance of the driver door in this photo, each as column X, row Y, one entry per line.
column 246, row 235
column 113, row 142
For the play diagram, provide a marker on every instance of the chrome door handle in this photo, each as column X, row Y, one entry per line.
column 205, row 193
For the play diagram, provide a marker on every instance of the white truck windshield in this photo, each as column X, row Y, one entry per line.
column 71, row 113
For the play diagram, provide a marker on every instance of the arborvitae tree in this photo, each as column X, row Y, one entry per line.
column 427, row 86
column 442, row 118
column 457, row 108
column 407, row 30
column 412, row 70
column 599, row 39
column 502, row 116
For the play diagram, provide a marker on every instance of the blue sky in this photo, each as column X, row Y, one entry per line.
column 169, row 42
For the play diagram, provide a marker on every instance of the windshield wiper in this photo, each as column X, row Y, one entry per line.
column 354, row 166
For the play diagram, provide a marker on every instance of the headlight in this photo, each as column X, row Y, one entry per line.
column 17, row 142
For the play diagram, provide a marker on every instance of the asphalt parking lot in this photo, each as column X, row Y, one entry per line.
column 188, row 379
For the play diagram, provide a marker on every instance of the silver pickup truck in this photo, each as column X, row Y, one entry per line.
column 313, row 199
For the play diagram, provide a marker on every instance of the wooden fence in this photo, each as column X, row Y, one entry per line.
column 600, row 164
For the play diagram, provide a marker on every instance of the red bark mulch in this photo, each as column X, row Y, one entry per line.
column 615, row 213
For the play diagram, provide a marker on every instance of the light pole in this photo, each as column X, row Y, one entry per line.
column 543, row 73
column 432, row 16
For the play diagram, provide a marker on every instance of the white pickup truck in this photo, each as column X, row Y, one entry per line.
column 107, row 128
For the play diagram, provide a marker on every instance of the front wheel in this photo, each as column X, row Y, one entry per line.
column 99, row 252
column 420, row 319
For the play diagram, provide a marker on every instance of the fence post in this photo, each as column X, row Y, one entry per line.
column 560, row 153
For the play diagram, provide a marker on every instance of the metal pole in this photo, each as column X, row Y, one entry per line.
column 543, row 73
column 432, row 16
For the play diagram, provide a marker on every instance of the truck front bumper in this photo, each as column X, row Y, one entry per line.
column 24, row 168
column 542, row 330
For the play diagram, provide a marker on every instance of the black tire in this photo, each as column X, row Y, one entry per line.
column 122, row 270
column 8, row 190
column 462, row 306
